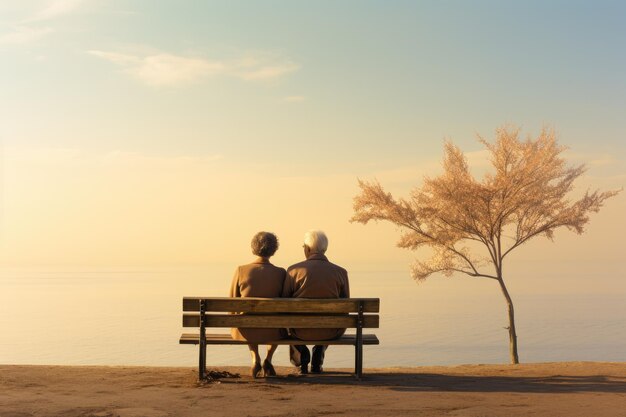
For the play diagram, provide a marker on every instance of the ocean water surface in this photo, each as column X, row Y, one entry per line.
column 133, row 317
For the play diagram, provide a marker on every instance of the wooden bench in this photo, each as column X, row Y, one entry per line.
column 292, row 313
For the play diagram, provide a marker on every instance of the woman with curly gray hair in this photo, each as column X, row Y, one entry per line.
column 259, row 279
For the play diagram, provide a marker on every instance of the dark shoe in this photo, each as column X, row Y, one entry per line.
column 305, row 358
column 318, row 359
column 255, row 370
column 316, row 369
column 300, row 357
column 305, row 355
column 268, row 369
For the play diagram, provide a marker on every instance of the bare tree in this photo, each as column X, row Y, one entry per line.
column 525, row 197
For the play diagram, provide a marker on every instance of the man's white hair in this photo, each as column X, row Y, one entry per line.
column 316, row 240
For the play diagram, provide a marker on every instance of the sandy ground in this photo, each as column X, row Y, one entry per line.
column 548, row 389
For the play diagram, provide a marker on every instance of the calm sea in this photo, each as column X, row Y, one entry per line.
column 133, row 317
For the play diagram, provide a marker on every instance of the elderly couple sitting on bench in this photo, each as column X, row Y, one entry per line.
column 314, row 277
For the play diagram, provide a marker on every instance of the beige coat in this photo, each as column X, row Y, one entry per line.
column 316, row 278
column 258, row 279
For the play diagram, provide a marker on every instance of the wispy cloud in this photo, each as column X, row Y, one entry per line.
column 54, row 9
column 163, row 69
column 73, row 156
column 595, row 159
column 36, row 25
column 168, row 69
column 260, row 70
column 23, row 34
column 138, row 159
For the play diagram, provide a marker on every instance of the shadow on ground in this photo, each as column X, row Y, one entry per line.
column 456, row 383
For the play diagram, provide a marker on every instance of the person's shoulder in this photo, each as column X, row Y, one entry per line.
column 339, row 268
column 279, row 268
column 246, row 268
column 298, row 265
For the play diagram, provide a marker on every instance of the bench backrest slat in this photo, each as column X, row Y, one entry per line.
column 282, row 305
column 292, row 321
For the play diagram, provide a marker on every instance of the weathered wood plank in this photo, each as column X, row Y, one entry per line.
column 281, row 305
column 291, row 321
column 226, row 339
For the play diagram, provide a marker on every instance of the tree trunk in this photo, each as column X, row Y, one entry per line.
column 512, row 333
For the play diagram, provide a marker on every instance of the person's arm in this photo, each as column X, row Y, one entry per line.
column 345, row 291
column 234, row 286
column 288, row 286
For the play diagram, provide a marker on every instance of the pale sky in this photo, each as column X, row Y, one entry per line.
column 156, row 133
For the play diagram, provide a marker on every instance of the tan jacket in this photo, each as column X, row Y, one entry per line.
column 316, row 278
column 258, row 279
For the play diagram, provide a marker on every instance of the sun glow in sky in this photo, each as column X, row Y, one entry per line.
column 156, row 133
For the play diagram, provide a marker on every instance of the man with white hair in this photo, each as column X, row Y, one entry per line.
column 315, row 277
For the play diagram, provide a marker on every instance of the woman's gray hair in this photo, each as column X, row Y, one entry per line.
column 316, row 241
column 264, row 244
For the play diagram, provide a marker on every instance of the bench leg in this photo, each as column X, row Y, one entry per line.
column 202, row 354
column 202, row 361
column 358, row 346
column 358, row 366
column 358, row 359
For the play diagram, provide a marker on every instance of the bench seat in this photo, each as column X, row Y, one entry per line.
column 226, row 339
